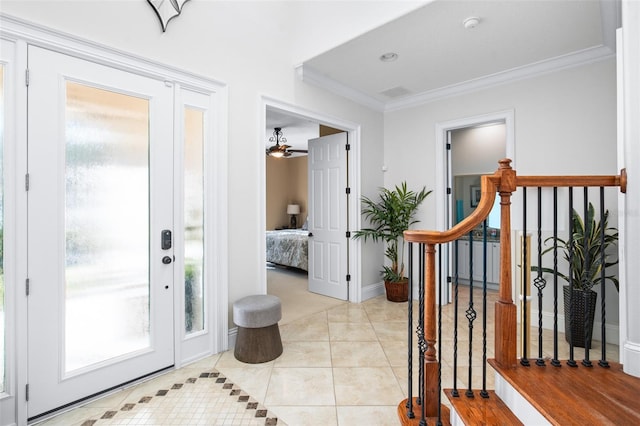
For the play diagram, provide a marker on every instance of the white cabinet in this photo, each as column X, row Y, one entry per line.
column 463, row 260
column 477, row 254
column 478, row 261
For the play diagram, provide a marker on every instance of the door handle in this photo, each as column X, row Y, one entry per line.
column 310, row 234
column 166, row 260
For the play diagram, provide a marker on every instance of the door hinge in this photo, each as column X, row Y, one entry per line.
column 26, row 182
column 26, row 77
column 347, row 190
column 347, row 147
column 448, row 191
column 27, row 286
column 348, row 277
column 26, row 392
column 449, row 279
column 348, row 234
column 449, row 146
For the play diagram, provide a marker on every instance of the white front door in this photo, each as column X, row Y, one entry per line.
column 328, row 245
column 100, row 305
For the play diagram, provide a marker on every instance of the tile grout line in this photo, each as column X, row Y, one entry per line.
column 242, row 397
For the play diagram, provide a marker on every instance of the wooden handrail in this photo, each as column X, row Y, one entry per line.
column 488, row 191
column 564, row 181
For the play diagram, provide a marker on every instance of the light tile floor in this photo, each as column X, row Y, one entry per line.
column 343, row 366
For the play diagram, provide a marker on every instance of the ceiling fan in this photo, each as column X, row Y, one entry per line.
column 280, row 149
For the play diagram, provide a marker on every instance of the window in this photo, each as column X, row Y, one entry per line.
column 193, row 219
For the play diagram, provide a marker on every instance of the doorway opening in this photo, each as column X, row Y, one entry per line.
column 289, row 182
column 469, row 147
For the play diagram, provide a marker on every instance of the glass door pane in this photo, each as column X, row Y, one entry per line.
column 194, row 219
column 106, row 225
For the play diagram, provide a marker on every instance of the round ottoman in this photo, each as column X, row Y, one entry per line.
column 258, row 337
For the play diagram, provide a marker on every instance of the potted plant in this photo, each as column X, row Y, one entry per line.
column 583, row 253
column 389, row 217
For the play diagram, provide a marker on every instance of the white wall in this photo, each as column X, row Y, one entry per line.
column 249, row 46
column 565, row 123
column 475, row 150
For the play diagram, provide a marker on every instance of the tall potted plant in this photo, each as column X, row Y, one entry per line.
column 389, row 217
column 583, row 253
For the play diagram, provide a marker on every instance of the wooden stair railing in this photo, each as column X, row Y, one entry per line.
column 503, row 182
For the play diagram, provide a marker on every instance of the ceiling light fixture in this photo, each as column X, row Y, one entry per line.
column 471, row 22
column 278, row 150
column 389, row 57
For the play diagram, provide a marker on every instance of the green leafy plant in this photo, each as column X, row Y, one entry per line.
column 586, row 263
column 389, row 217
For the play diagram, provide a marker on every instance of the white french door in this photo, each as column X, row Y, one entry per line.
column 100, row 161
column 328, row 248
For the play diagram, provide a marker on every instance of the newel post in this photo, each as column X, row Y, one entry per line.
column 506, row 315
column 431, row 363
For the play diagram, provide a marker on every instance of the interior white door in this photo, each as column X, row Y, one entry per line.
column 100, row 306
column 328, row 245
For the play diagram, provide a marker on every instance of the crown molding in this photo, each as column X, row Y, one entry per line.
column 311, row 76
column 575, row 59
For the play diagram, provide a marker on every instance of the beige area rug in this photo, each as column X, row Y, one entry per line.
column 297, row 302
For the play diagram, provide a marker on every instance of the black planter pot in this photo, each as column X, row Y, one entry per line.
column 579, row 312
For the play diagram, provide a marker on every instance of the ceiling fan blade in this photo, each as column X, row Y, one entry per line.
column 298, row 150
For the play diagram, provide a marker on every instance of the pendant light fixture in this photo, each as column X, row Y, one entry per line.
column 280, row 149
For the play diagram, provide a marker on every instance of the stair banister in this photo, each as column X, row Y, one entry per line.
column 503, row 183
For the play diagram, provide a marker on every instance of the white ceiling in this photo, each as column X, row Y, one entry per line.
column 438, row 57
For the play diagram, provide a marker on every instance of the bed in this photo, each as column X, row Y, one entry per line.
column 288, row 247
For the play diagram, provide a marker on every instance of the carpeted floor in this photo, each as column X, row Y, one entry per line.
column 297, row 302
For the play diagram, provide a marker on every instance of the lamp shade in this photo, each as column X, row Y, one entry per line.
column 293, row 209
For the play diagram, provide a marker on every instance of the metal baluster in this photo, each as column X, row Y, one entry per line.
column 410, row 413
column 555, row 362
column 483, row 392
column 470, row 313
column 571, row 362
column 603, row 360
column 539, row 281
column 439, row 421
column 421, row 342
column 525, row 344
column 587, row 326
column 454, row 391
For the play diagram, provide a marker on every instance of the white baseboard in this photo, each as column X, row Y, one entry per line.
column 630, row 357
column 373, row 290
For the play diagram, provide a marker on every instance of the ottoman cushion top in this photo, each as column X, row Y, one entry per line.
column 257, row 311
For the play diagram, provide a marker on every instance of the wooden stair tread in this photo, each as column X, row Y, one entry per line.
column 581, row 395
column 430, row 421
column 482, row 411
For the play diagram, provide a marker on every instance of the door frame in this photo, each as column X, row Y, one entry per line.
column 353, row 205
column 443, row 166
column 22, row 34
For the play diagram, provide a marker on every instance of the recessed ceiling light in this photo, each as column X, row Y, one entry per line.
column 471, row 22
column 389, row 57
